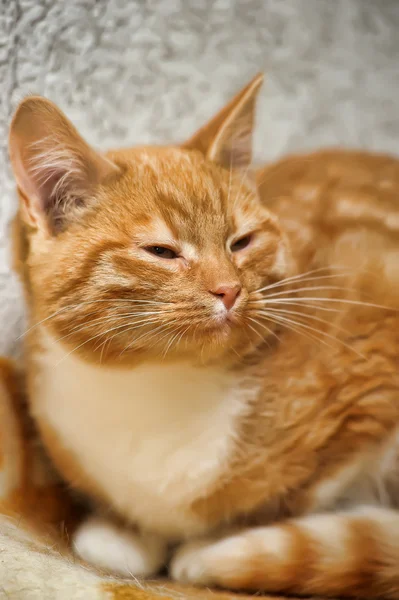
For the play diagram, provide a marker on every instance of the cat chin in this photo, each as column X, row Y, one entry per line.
column 226, row 342
column 229, row 341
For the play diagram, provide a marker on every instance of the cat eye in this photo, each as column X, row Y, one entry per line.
column 161, row 251
column 241, row 243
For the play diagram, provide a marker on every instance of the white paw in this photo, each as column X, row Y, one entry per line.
column 120, row 551
column 190, row 563
column 225, row 561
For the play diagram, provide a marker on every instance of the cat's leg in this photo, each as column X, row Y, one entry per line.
column 340, row 554
column 121, row 551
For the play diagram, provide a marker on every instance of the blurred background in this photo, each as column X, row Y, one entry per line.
column 134, row 71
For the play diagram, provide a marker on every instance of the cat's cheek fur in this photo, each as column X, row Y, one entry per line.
column 111, row 548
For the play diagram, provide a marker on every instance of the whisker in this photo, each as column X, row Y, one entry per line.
column 287, row 302
column 285, row 282
column 126, row 326
column 323, row 299
column 79, row 304
column 110, row 318
column 265, row 327
column 182, row 334
column 115, row 318
column 257, row 333
column 57, row 312
column 308, row 316
column 153, row 332
column 177, row 341
column 82, row 344
column 170, row 343
column 169, row 326
column 148, row 334
column 131, row 326
column 300, row 276
column 318, row 331
column 232, row 349
column 306, row 289
column 288, row 324
column 103, row 348
column 99, row 334
column 143, row 335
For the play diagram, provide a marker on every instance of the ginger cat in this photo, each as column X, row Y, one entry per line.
column 213, row 357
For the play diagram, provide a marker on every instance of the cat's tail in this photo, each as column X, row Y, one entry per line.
column 352, row 554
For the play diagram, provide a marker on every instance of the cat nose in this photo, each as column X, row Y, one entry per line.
column 228, row 294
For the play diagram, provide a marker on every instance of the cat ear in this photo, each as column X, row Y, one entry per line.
column 55, row 169
column 227, row 138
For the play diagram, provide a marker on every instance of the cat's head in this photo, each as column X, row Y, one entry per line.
column 151, row 250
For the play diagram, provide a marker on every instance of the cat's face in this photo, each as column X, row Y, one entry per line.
column 165, row 255
column 169, row 260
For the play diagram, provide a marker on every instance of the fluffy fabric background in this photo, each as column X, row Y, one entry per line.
column 129, row 71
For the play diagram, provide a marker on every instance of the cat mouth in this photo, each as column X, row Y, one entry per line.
column 217, row 325
column 221, row 323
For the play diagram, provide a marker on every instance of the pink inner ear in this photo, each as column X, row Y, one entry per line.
column 232, row 147
column 237, row 152
column 52, row 200
column 52, row 183
column 46, row 187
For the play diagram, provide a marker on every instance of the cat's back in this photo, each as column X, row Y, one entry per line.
column 341, row 209
column 338, row 186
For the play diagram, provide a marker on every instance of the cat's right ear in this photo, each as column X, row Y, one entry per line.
column 227, row 138
column 55, row 169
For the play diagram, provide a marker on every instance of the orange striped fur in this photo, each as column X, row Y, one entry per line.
column 213, row 352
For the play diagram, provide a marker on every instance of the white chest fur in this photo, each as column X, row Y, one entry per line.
column 154, row 437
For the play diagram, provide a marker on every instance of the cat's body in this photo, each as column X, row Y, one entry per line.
column 280, row 399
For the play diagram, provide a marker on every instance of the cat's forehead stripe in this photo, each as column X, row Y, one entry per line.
column 158, row 232
column 158, row 229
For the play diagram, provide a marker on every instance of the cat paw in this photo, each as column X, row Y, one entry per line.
column 190, row 564
column 119, row 551
column 226, row 562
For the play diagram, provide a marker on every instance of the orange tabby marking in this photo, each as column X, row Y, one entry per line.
column 213, row 347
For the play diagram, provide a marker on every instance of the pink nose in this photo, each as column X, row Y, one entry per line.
column 228, row 294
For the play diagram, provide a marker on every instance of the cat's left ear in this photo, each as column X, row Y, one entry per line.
column 56, row 171
column 227, row 138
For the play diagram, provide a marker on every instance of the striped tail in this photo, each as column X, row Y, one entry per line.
column 348, row 554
